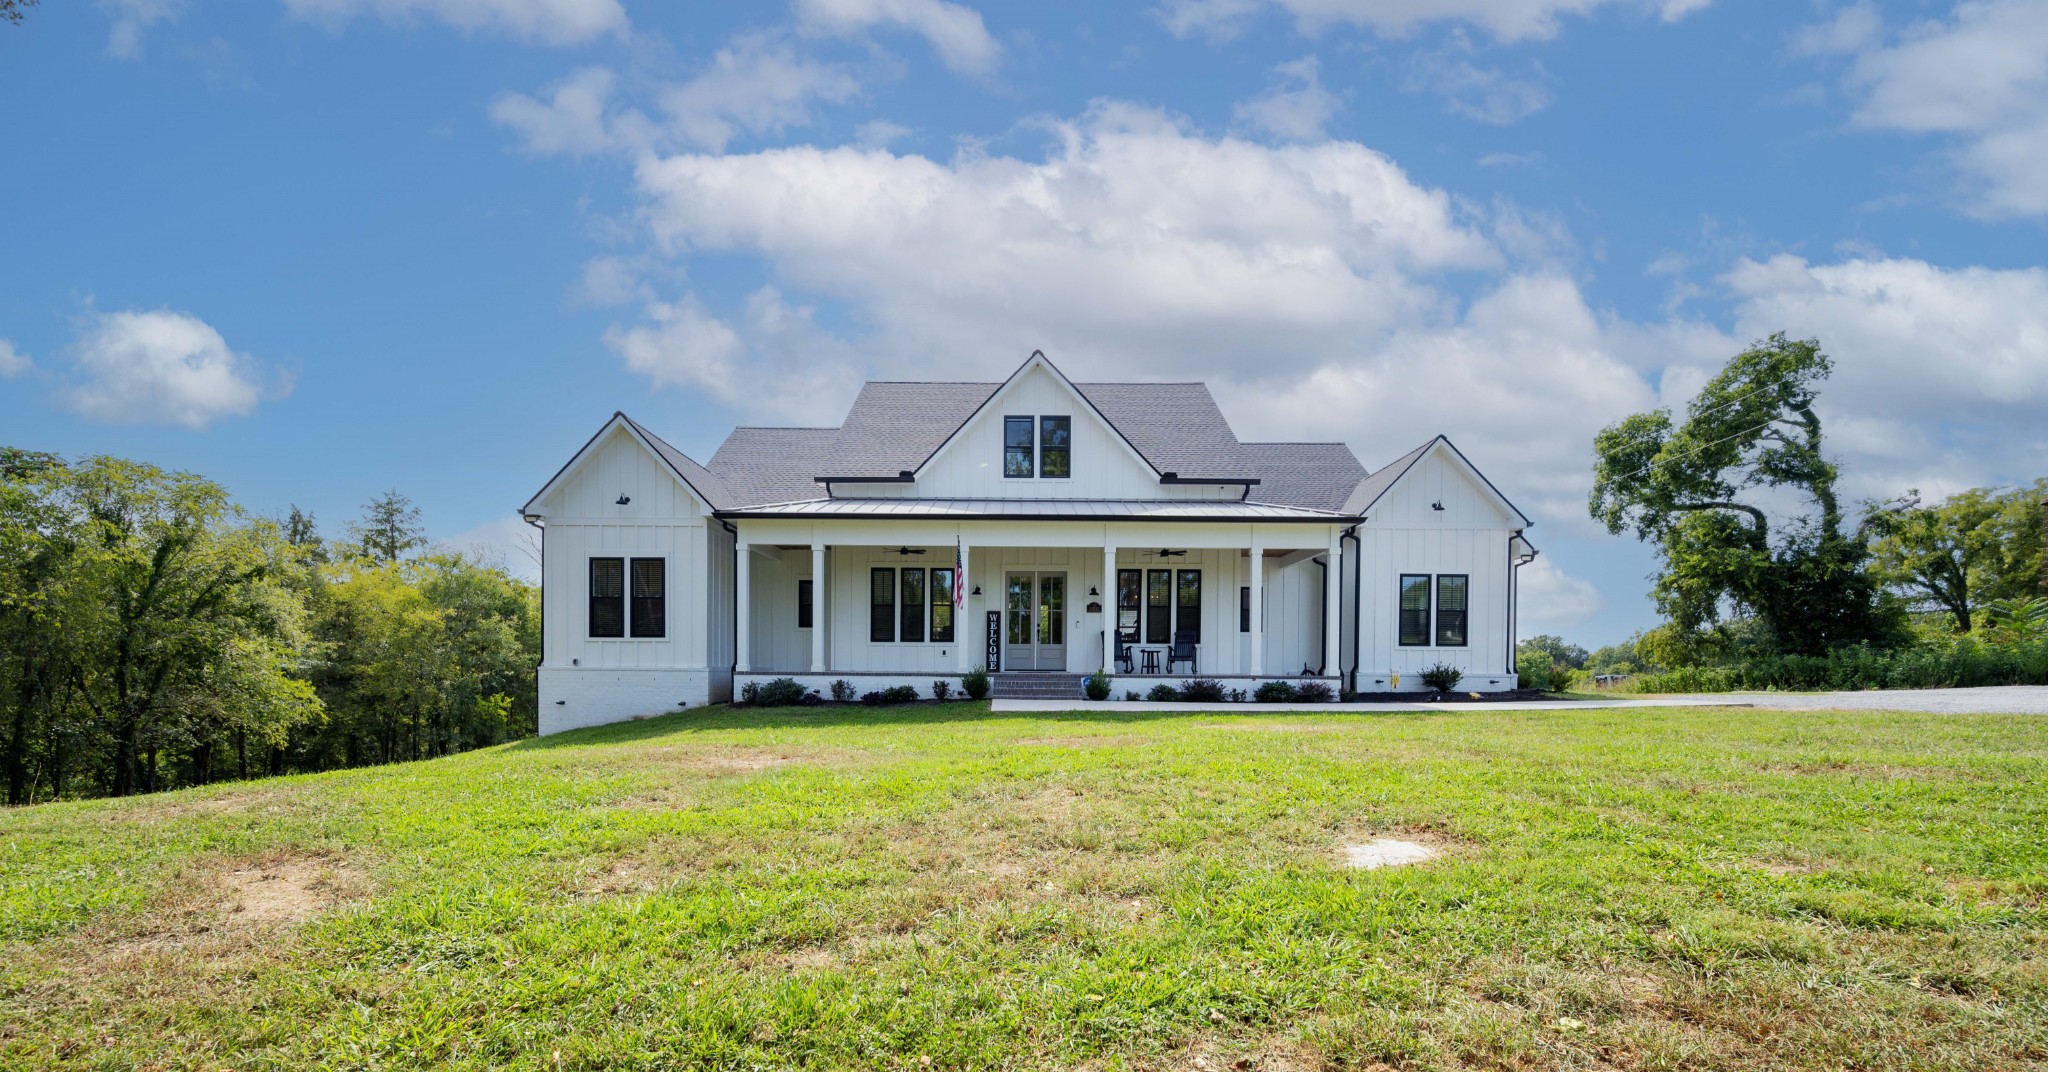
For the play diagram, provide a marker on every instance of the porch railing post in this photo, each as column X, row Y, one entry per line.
column 1333, row 598
column 1258, row 572
column 743, row 641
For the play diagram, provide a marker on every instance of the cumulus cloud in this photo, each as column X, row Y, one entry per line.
column 1481, row 93
column 757, row 85
column 549, row 22
column 1551, row 600
column 131, row 18
column 573, row 119
column 1504, row 20
column 954, row 31
column 1980, row 78
column 775, row 362
column 161, row 367
column 12, row 361
column 1295, row 107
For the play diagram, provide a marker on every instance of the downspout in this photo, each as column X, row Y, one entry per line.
column 1357, row 593
column 543, row 616
column 732, row 672
column 1323, row 613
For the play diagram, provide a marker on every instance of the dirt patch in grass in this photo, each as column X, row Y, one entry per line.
column 170, row 807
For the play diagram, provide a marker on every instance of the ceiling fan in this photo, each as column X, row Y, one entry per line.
column 1165, row 553
column 910, row 550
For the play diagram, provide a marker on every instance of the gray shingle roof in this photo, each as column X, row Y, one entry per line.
column 707, row 483
column 894, row 426
column 1371, row 488
column 1175, row 426
column 1320, row 476
column 773, row 465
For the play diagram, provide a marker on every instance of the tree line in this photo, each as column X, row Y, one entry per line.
column 1765, row 570
column 154, row 635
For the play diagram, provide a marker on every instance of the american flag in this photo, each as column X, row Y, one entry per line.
column 959, row 577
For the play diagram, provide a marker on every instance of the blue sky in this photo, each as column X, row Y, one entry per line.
column 319, row 248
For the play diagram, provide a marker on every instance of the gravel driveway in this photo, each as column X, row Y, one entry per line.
column 1996, row 700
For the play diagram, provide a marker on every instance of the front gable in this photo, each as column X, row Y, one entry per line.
column 618, row 462
column 1439, row 488
column 969, row 464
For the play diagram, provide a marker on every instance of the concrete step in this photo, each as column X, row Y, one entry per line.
column 1035, row 686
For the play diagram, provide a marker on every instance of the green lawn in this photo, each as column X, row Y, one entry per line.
column 939, row 887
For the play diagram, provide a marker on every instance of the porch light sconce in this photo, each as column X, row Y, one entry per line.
column 976, row 592
column 624, row 498
column 1092, row 591
column 1438, row 506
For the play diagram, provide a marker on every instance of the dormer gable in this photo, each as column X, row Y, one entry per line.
column 1434, row 485
column 625, row 472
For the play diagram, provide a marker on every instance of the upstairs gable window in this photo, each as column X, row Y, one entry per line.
column 1041, row 446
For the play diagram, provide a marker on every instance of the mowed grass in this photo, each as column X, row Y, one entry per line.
column 939, row 887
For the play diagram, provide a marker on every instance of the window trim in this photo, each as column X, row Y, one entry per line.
column 1401, row 611
column 932, row 590
column 1043, row 449
column 912, row 615
column 1464, row 613
column 1136, row 607
column 1180, row 608
column 806, row 603
column 1030, row 422
column 591, row 597
column 1163, row 610
column 887, row 610
column 1244, row 608
column 632, row 623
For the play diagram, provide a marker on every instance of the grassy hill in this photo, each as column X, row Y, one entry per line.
column 939, row 887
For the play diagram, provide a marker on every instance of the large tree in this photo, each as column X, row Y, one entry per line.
column 390, row 527
column 1741, row 501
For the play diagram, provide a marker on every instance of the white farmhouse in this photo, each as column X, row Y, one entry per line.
column 1038, row 527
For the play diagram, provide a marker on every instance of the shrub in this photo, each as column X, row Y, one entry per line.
column 1097, row 685
column 899, row 694
column 1443, row 677
column 750, row 693
column 1202, row 690
column 781, row 692
column 1314, row 692
column 1945, row 662
column 1274, row 692
column 975, row 682
column 842, row 690
column 1163, row 693
column 941, row 689
column 1534, row 669
column 1236, row 695
column 1131, row 695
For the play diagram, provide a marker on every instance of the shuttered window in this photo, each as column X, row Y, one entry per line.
column 913, row 606
column 803, row 604
column 607, row 597
column 1187, row 611
column 650, row 597
column 942, row 606
column 881, row 605
column 1158, row 606
column 1414, row 610
column 1055, row 446
column 1018, row 458
column 1450, row 609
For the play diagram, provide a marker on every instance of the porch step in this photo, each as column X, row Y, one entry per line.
column 1033, row 686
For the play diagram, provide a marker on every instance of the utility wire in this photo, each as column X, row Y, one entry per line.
column 1696, row 450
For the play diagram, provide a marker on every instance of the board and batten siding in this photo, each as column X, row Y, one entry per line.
column 1404, row 534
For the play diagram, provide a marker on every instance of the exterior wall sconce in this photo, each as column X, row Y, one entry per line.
column 625, row 498
column 1092, row 591
column 976, row 592
column 1438, row 506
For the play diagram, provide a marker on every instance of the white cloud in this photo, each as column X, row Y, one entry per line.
column 161, row 367
column 1492, row 160
column 954, row 31
column 1296, row 106
column 1852, row 29
column 777, row 362
column 507, row 541
column 880, row 134
column 1551, row 600
column 131, row 18
column 1981, row 77
column 12, row 361
column 573, row 119
column 549, row 22
column 757, row 85
column 1504, row 20
column 1490, row 96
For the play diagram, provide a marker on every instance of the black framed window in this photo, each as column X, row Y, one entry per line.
column 942, row 605
column 1187, row 610
column 803, row 603
column 650, row 597
column 1158, row 606
column 607, row 597
column 1018, row 457
column 881, row 605
column 1244, row 608
column 913, row 605
column 1451, row 596
column 1056, row 446
column 1129, row 590
column 1414, row 610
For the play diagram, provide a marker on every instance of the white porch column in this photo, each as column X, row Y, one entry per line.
column 1258, row 564
column 1333, row 605
column 966, row 630
column 743, row 606
column 817, row 608
column 1109, row 606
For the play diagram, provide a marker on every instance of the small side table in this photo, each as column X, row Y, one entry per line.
column 1149, row 660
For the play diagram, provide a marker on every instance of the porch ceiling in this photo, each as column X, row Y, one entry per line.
column 1042, row 509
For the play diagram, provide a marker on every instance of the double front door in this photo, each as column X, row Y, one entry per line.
column 1034, row 621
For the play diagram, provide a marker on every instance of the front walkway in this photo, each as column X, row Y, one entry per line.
column 1137, row 706
column 1996, row 700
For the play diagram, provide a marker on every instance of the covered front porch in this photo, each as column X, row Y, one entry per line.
column 880, row 603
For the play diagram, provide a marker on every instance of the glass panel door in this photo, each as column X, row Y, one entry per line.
column 1019, row 653
column 1052, row 621
column 1035, row 621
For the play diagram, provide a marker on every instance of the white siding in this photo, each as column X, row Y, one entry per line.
column 1104, row 466
column 775, row 641
column 1405, row 535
